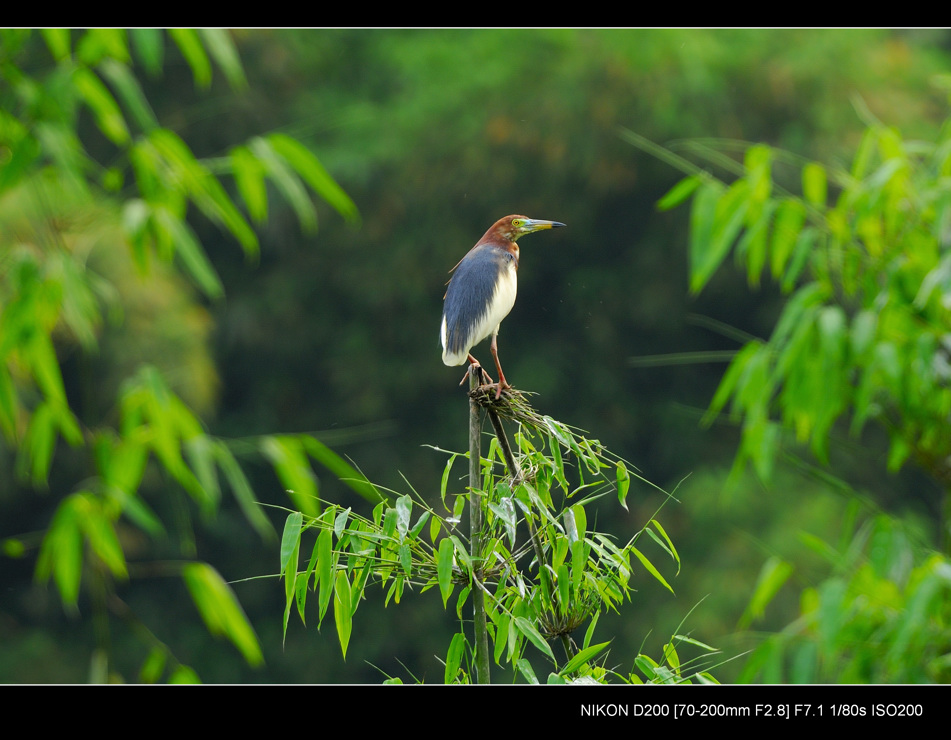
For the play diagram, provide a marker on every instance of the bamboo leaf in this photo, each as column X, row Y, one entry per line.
column 454, row 657
column 106, row 111
column 222, row 49
column 444, row 564
column 679, row 192
column 651, row 569
column 528, row 629
column 774, row 573
column 306, row 164
column 220, row 609
column 623, row 483
column 583, row 657
column 290, row 539
column 343, row 614
column 194, row 53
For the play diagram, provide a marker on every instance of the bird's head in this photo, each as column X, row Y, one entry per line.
column 511, row 228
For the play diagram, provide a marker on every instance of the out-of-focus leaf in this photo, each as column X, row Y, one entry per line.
column 679, row 193
column 191, row 47
column 97, row 96
column 125, row 83
column 220, row 609
column 309, row 167
column 347, row 474
column 149, row 45
column 774, row 573
column 286, row 453
column 222, row 49
column 242, row 491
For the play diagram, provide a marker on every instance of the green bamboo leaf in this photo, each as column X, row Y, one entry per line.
column 184, row 675
column 787, row 227
column 102, row 43
column 290, row 539
column 667, row 543
column 679, row 192
column 528, row 629
column 286, row 181
column 345, row 472
column 289, row 561
column 719, row 218
column 343, row 614
column 814, row 184
column 153, row 666
column 286, row 453
column 525, row 668
column 249, row 177
column 130, row 92
column 583, row 657
column 58, row 42
column 189, row 250
column 404, row 509
column 774, row 573
column 242, row 491
column 444, row 564
column 36, row 453
column 190, row 45
column 100, row 532
column 563, row 584
column 61, row 553
column 199, row 184
column 222, row 49
column 623, row 478
column 220, row 609
column 325, row 570
column 105, row 110
column 149, row 46
column 650, row 568
column 671, row 657
column 457, row 649
column 201, row 453
column 306, row 164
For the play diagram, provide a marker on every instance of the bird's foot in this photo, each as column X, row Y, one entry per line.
column 501, row 385
column 484, row 377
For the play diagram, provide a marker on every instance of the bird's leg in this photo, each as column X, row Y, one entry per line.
column 486, row 379
column 495, row 353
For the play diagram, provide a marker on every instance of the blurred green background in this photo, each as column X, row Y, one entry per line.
column 435, row 134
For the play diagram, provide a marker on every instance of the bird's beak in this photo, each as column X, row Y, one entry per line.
column 532, row 225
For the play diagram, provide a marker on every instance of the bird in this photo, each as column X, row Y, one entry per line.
column 481, row 292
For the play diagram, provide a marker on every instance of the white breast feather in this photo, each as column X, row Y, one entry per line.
column 502, row 302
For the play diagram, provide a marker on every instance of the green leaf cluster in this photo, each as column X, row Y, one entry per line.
column 68, row 192
column 544, row 571
column 887, row 600
column 865, row 334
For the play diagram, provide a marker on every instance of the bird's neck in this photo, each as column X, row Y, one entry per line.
column 506, row 245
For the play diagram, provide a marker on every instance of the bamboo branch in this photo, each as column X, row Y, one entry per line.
column 481, row 649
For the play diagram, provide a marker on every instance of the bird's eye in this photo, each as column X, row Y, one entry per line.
column 516, row 222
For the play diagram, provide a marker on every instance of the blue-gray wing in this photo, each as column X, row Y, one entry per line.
column 467, row 309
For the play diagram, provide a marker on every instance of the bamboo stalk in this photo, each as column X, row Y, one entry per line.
column 481, row 648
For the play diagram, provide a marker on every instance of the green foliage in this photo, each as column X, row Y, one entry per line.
column 881, row 618
column 540, row 586
column 864, row 335
column 67, row 193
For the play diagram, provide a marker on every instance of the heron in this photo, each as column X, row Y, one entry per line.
column 482, row 292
